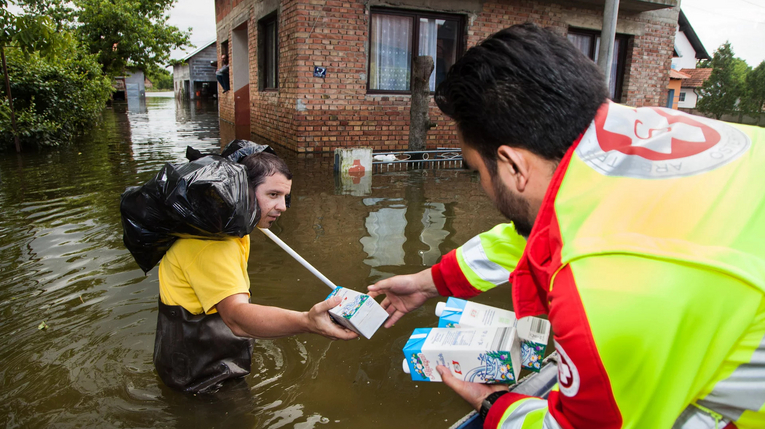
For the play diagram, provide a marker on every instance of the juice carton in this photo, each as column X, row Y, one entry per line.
column 532, row 331
column 479, row 355
column 358, row 312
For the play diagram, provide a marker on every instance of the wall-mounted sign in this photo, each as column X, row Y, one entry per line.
column 320, row 72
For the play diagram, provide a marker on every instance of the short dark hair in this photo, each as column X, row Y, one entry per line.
column 524, row 87
column 263, row 164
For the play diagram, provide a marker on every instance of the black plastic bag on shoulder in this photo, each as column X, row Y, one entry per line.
column 205, row 198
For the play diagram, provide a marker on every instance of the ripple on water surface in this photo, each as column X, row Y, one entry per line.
column 65, row 270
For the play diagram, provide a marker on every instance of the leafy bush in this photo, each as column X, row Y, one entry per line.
column 56, row 98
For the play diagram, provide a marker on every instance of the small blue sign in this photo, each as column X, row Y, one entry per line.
column 320, row 72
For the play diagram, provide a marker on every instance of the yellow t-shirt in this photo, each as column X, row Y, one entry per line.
column 198, row 274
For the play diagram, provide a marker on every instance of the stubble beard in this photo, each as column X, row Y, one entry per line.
column 513, row 207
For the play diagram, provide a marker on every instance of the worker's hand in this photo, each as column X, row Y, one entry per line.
column 473, row 393
column 320, row 322
column 404, row 293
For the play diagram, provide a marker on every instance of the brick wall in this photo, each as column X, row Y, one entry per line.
column 309, row 114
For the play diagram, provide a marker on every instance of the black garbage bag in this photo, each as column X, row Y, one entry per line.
column 207, row 198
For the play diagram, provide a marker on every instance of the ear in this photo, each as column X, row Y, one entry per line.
column 515, row 165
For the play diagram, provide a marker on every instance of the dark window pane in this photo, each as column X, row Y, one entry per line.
column 270, row 55
column 438, row 39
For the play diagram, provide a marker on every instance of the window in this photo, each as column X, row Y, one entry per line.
column 396, row 35
column 588, row 43
column 268, row 49
column 681, row 97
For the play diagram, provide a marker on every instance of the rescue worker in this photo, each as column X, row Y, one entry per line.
column 646, row 243
column 205, row 319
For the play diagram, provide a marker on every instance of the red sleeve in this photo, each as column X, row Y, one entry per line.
column 494, row 417
column 449, row 280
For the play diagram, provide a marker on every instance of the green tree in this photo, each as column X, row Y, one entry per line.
column 161, row 78
column 56, row 97
column 124, row 33
column 722, row 90
column 754, row 98
column 27, row 34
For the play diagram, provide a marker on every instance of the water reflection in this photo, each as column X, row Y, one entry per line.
column 63, row 262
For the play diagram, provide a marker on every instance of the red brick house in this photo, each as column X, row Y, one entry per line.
column 315, row 75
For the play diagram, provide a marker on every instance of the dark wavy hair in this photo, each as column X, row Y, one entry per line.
column 261, row 165
column 524, row 87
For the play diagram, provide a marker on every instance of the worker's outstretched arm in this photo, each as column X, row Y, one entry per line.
column 482, row 263
column 259, row 321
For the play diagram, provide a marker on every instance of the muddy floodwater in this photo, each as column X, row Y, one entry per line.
column 77, row 315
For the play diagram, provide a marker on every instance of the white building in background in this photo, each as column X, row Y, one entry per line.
column 688, row 50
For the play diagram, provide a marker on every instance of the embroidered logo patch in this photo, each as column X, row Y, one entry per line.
column 658, row 143
column 568, row 375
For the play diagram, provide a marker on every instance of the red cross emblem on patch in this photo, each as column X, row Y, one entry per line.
column 657, row 143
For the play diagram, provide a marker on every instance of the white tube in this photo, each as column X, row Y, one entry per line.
column 297, row 257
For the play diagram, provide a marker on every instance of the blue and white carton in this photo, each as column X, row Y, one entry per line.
column 357, row 311
column 479, row 355
column 533, row 332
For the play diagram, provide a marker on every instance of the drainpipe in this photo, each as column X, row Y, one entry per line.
column 10, row 101
column 606, row 52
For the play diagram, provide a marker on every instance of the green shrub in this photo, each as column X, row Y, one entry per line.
column 55, row 99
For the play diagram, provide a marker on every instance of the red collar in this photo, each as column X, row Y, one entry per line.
column 541, row 258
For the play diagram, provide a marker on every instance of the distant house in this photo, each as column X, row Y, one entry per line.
column 313, row 76
column 689, row 94
column 688, row 50
column 194, row 77
column 130, row 85
column 675, row 86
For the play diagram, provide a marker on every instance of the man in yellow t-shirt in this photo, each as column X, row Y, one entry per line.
column 206, row 321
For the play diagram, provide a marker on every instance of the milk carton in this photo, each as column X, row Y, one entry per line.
column 358, row 312
column 479, row 355
column 532, row 331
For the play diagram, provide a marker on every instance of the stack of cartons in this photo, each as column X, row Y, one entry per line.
column 477, row 343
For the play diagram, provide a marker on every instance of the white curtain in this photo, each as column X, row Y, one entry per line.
column 391, row 52
column 614, row 66
column 428, row 43
column 582, row 42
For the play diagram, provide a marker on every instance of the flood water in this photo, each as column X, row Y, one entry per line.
column 62, row 262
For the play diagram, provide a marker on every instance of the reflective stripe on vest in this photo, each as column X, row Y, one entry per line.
column 695, row 418
column 743, row 390
column 529, row 414
column 487, row 259
column 475, row 257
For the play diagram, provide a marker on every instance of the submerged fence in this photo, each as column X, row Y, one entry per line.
column 416, row 160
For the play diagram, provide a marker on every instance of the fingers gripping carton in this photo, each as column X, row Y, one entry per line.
column 479, row 355
column 358, row 312
column 532, row 331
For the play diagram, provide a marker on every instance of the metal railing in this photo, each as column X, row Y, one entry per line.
column 416, row 160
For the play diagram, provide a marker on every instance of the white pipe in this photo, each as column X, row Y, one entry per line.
column 297, row 257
